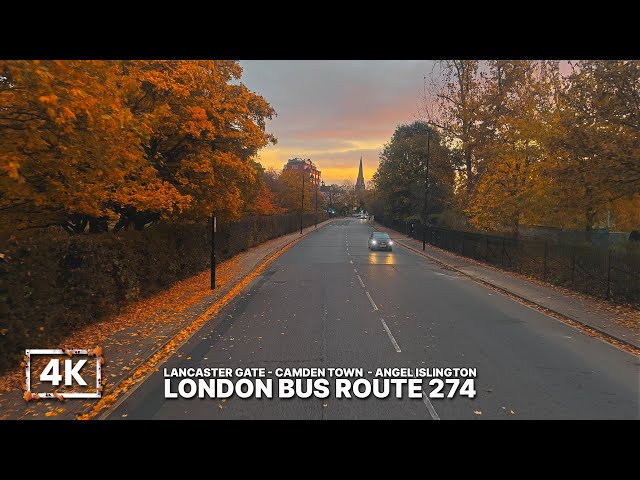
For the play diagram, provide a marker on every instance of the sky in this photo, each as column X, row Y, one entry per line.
column 334, row 111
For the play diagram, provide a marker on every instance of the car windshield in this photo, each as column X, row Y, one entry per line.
column 381, row 236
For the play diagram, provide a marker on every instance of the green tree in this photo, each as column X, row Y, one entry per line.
column 400, row 178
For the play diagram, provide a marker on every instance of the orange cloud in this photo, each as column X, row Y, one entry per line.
column 335, row 111
column 335, row 166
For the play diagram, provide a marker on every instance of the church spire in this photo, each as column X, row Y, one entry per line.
column 360, row 180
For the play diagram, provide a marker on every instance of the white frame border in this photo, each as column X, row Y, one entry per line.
column 59, row 351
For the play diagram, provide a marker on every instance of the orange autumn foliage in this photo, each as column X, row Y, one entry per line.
column 108, row 144
column 264, row 203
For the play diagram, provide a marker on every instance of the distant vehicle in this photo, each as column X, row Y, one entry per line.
column 380, row 241
column 355, row 215
column 363, row 215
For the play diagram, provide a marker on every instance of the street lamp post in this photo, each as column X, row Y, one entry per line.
column 331, row 196
column 316, row 186
column 213, row 250
column 426, row 195
column 302, row 201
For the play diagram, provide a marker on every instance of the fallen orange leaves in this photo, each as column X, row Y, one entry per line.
column 148, row 367
column 178, row 298
column 54, row 413
column 98, row 351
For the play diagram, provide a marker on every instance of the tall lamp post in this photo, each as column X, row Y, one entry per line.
column 302, row 200
column 426, row 195
column 331, row 196
column 213, row 250
column 315, row 183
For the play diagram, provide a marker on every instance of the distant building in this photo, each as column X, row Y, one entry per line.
column 331, row 190
column 304, row 164
column 360, row 183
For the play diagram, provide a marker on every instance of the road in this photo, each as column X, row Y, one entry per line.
column 330, row 302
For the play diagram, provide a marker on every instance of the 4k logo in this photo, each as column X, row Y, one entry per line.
column 65, row 372
column 51, row 373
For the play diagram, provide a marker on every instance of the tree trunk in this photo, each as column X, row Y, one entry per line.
column 467, row 162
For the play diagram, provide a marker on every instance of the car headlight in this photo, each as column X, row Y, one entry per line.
column 390, row 242
column 373, row 242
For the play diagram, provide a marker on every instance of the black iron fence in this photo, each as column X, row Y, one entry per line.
column 250, row 231
column 52, row 283
column 610, row 274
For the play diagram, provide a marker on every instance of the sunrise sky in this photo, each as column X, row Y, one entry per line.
column 333, row 111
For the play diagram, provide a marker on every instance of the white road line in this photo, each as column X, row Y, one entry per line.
column 375, row 307
column 390, row 335
column 355, row 270
column 429, row 405
column 350, row 261
column 361, row 282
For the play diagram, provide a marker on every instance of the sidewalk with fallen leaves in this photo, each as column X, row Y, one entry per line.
column 619, row 323
column 130, row 338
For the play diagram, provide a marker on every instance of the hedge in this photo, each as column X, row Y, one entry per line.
column 54, row 283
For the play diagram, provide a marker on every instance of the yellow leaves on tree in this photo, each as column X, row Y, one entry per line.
column 595, row 139
column 515, row 98
column 264, row 203
column 204, row 131
column 289, row 195
column 86, row 143
column 533, row 146
column 56, row 135
column 558, row 151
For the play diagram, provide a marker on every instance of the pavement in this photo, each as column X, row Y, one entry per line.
column 330, row 302
column 578, row 308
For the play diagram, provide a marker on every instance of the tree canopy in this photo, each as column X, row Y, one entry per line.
column 112, row 144
column 400, row 178
column 526, row 145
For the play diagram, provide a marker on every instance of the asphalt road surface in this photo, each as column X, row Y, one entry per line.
column 330, row 302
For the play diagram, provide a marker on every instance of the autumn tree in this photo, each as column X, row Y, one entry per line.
column 451, row 102
column 204, row 130
column 344, row 198
column 341, row 198
column 595, row 138
column 289, row 192
column 70, row 146
column 89, row 144
column 529, row 145
column 262, row 199
column 515, row 103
